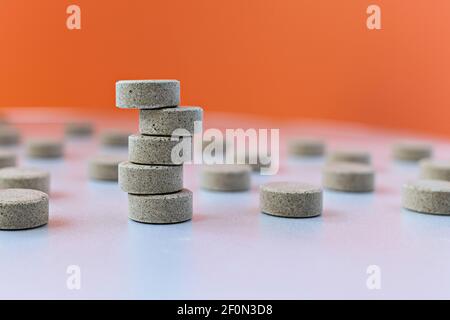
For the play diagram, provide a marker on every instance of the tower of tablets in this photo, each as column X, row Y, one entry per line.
column 153, row 176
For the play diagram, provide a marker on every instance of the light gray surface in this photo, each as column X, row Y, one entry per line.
column 291, row 199
column 22, row 209
column 165, row 121
column 230, row 249
column 147, row 94
column 150, row 179
column 161, row 208
column 158, row 150
column 25, row 178
column 427, row 196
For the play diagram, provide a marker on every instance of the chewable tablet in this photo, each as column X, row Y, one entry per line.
column 23, row 209
column 162, row 208
column 147, row 94
column 350, row 177
column 291, row 199
column 159, row 150
column 165, row 121
column 150, row 179
column 427, row 196
column 25, row 178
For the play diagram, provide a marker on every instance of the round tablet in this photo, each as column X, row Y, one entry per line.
column 435, row 169
column 158, row 150
column 147, row 94
column 427, row 196
column 411, row 150
column 225, row 177
column 23, row 209
column 307, row 147
column 7, row 159
column 114, row 138
column 25, row 178
column 291, row 199
column 358, row 156
column 164, row 122
column 79, row 129
column 147, row 179
column 44, row 148
column 9, row 135
column 105, row 167
column 350, row 177
column 162, row 208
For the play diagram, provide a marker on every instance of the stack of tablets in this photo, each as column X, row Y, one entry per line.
column 153, row 176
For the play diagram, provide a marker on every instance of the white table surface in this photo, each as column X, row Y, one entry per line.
column 230, row 249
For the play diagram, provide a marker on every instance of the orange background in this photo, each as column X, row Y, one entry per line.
column 278, row 58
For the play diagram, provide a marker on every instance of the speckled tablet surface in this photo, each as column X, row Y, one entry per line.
column 147, row 94
column 23, row 209
column 427, row 196
column 143, row 149
column 150, row 179
column 26, row 178
column 291, row 199
column 165, row 121
column 161, row 209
